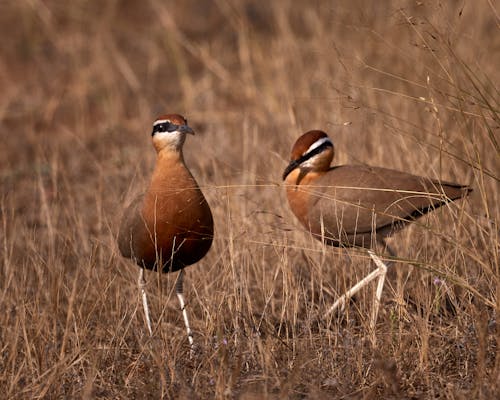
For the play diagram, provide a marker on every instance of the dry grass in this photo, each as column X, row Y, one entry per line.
column 406, row 85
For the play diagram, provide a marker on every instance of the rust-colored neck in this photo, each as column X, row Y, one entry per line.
column 170, row 177
column 299, row 188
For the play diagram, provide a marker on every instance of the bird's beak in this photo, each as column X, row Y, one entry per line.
column 293, row 164
column 185, row 129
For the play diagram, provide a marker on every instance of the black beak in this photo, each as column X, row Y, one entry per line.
column 293, row 164
column 185, row 129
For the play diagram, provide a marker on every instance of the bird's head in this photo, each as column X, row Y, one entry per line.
column 169, row 132
column 313, row 151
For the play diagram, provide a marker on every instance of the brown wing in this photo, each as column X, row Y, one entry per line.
column 132, row 227
column 351, row 201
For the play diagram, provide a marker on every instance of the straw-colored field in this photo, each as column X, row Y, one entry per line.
column 406, row 85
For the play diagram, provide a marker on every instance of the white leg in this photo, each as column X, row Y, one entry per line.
column 142, row 287
column 352, row 291
column 380, row 273
column 180, row 296
column 382, row 268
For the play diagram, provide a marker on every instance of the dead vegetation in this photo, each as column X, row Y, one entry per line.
column 405, row 85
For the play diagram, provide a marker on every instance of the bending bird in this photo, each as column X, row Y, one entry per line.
column 356, row 205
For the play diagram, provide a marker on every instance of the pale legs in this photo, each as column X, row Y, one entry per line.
column 379, row 273
column 142, row 287
column 180, row 296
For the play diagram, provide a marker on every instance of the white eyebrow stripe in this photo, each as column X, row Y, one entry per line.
column 160, row 121
column 318, row 143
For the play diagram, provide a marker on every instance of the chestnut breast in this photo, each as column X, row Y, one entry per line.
column 171, row 223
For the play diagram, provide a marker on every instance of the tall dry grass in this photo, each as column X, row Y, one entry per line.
column 405, row 85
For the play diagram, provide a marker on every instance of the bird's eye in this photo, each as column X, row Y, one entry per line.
column 166, row 126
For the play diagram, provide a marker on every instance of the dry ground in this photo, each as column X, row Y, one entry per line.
column 404, row 84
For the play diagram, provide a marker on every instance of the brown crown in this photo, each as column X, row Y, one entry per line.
column 304, row 142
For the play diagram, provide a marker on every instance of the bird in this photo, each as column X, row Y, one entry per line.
column 357, row 206
column 170, row 226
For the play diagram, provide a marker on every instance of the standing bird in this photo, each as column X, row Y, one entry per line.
column 355, row 205
column 170, row 226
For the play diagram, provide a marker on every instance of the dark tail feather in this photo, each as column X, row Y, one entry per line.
column 455, row 191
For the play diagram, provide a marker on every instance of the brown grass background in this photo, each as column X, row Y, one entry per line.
column 402, row 84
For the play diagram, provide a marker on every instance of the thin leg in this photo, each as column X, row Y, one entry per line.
column 341, row 301
column 382, row 268
column 142, row 287
column 180, row 296
column 379, row 273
